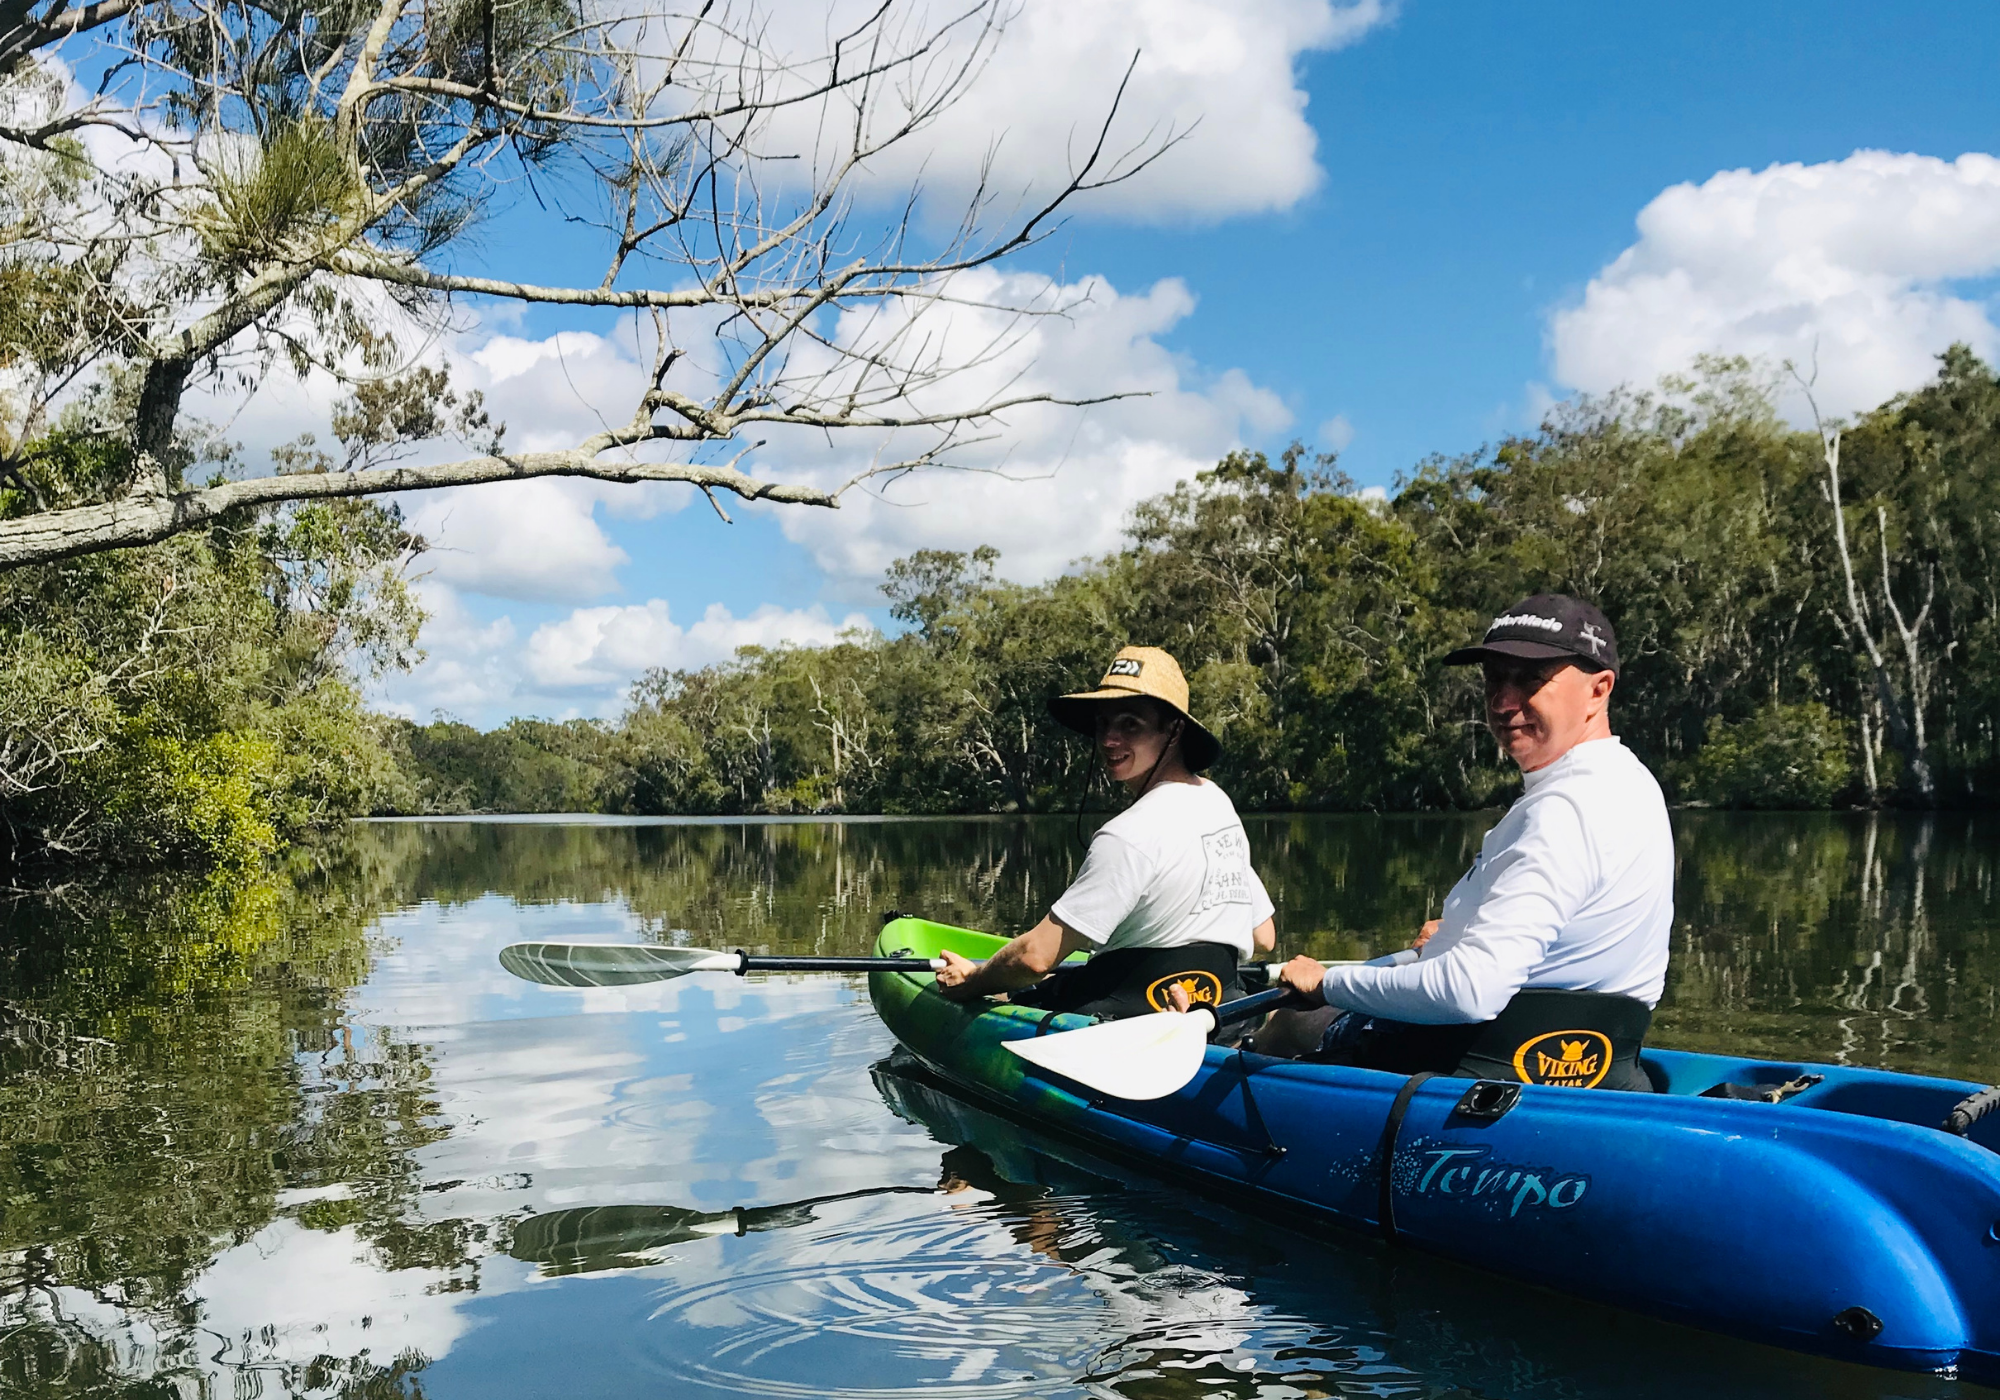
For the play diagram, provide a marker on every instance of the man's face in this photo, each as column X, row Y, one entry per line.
column 1131, row 735
column 1540, row 710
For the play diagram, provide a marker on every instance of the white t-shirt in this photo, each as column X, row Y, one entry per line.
column 1574, row 889
column 1171, row 869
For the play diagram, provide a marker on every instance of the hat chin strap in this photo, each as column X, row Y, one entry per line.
column 1173, row 738
column 1090, row 776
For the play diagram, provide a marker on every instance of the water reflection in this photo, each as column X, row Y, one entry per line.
column 1198, row 1300
column 179, row 1077
column 303, row 1135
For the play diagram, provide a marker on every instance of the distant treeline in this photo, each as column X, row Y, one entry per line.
column 1778, row 653
column 196, row 702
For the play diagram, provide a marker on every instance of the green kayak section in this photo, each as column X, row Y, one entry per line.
column 962, row 1040
column 920, row 938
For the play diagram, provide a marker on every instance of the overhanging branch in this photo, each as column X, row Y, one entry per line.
column 139, row 519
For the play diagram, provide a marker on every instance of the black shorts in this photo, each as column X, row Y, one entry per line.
column 1400, row 1047
column 1135, row 981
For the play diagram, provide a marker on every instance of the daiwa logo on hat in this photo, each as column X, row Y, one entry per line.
column 1124, row 666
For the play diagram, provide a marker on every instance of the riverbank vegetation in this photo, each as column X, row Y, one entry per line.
column 195, row 201
column 196, row 701
column 1312, row 620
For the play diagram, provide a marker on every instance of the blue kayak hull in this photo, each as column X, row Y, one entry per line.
column 1841, row 1222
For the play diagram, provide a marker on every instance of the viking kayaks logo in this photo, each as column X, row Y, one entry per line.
column 1202, row 988
column 1566, row 1059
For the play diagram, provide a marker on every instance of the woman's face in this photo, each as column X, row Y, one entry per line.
column 1132, row 734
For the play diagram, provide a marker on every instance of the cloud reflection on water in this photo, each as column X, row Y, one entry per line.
column 966, row 1257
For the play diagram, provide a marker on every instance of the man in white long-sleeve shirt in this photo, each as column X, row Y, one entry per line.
column 1571, row 892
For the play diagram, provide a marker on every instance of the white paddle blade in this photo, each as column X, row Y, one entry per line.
column 1141, row 1057
column 609, row 964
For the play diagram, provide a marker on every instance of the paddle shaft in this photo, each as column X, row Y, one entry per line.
column 747, row 963
column 1256, row 1004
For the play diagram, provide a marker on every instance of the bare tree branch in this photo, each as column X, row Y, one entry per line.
column 136, row 519
column 22, row 31
column 324, row 160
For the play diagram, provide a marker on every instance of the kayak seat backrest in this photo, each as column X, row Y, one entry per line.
column 1580, row 1040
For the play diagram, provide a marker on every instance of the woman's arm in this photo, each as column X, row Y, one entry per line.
column 1264, row 937
column 1022, row 962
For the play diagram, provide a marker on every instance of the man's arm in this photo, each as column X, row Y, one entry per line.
column 1022, row 962
column 1538, row 883
column 1264, row 937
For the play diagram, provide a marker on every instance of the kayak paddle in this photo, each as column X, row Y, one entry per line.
column 622, row 964
column 1143, row 1057
column 1150, row 1057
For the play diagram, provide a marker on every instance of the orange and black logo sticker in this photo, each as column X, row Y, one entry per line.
column 1202, row 988
column 1571, row 1059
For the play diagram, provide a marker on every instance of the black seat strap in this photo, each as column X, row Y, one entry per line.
column 1390, row 1130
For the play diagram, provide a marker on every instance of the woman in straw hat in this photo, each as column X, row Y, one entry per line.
column 1167, row 900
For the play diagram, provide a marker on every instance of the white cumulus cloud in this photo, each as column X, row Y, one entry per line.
column 538, row 539
column 519, row 539
column 582, row 664
column 1046, row 484
column 594, row 648
column 469, row 664
column 1857, row 261
column 1222, row 74
column 1052, row 484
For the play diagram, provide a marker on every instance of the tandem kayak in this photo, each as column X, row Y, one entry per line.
column 1842, row 1220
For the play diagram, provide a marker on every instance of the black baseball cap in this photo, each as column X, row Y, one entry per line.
column 1542, row 628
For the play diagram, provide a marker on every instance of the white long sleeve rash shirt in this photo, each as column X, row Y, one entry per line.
column 1573, row 889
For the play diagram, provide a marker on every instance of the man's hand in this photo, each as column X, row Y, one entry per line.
column 1304, row 976
column 951, row 978
column 1425, row 933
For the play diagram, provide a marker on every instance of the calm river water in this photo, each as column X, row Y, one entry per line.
column 306, row 1137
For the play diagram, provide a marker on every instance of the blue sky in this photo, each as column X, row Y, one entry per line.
column 1443, row 261
column 1483, row 162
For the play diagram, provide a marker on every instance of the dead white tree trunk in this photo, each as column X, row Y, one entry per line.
column 1902, row 714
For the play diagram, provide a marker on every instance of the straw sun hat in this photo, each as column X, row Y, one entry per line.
column 1141, row 671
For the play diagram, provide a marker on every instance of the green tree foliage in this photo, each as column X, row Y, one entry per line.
column 1312, row 622
column 195, row 701
column 528, row 765
column 1784, row 756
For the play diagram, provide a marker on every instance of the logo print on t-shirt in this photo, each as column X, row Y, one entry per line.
column 1226, row 878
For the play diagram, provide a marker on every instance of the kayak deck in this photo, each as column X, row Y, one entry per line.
column 1872, row 1093
column 1840, row 1220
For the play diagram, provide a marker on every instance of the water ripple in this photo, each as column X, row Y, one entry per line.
column 990, row 1299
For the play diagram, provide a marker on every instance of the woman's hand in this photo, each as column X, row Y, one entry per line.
column 1425, row 933
column 1304, row 976
column 951, row 979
